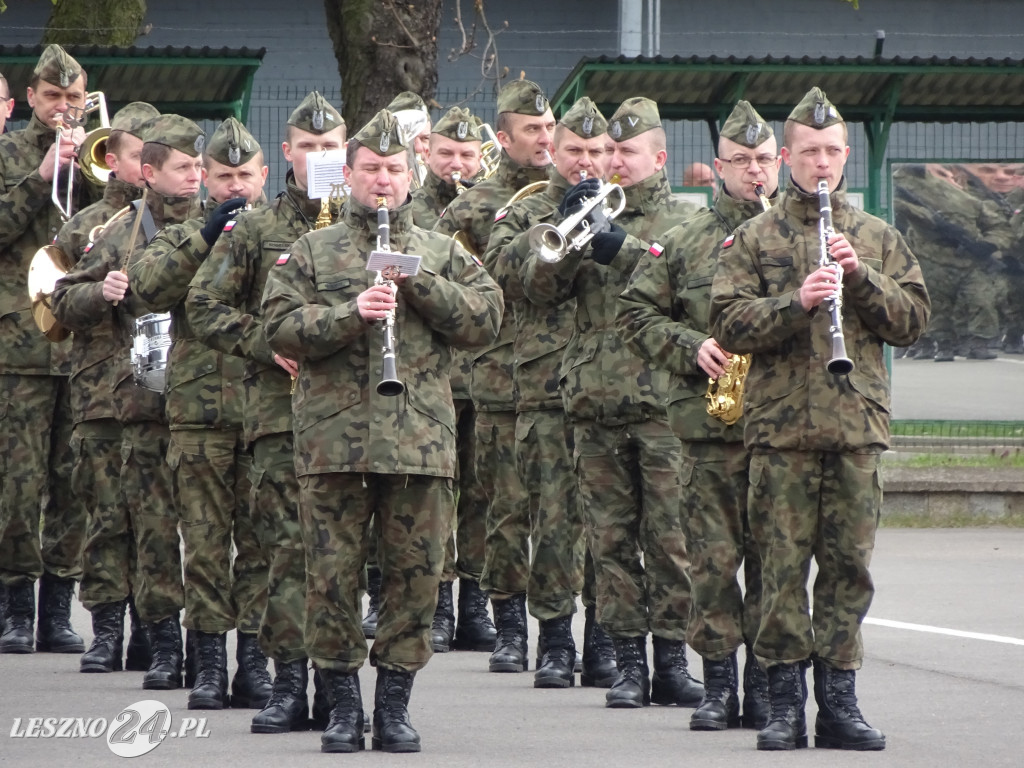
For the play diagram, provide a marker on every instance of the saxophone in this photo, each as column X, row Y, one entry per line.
column 725, row 394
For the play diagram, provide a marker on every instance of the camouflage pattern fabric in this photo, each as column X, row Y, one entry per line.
column 815, row 488
column 466, row 549
column 430, row 200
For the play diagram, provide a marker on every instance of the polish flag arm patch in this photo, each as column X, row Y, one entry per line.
column 728, row 241
column 501, row 214
column 656, row 250
column 282, row 259
column 229, row 226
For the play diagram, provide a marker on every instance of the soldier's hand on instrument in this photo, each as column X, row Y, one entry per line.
column 577, row 194
column 220, row 216
column 712, row 358
column 605, row 246
column 115, row 286
column 842, row 251
column 375, row 302
column 818, row 286
column 289, row 365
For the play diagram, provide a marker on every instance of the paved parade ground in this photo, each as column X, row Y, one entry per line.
column 943, row 677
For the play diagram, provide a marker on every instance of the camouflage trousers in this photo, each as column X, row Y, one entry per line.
column 274, row 502
column 629, row 483
column 962, row 302
column 544, row 461
column 464, row 553
column 42, row 523
column 413, row 513
column 823, row 506
column 211, row 475
column 507, row 550
column 714, row 483
column 147, row 491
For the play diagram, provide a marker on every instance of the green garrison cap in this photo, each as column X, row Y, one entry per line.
column 176, row 132
column 56, row 67
column 746, row 127
column 381, row 135
column 131, row 117
column 815, row 110
column 458, row 124
column 585, row 119
column 315, row 115
column 633, row 117
column 407, row 100
column 522, row 97
column 232, row 144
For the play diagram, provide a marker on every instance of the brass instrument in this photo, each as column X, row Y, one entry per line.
column 840, row 363
column 552, row 243
column 490, row 151
column 389, row 385
column 73, row 118
column 49, row 264
column 762, row 195
column 457, row 181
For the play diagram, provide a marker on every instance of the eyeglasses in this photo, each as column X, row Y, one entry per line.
column 742, row 161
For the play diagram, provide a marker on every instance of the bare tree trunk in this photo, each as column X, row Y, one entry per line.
column 383, row 47
column 94, row 22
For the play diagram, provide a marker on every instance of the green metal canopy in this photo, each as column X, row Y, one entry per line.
column 199, row 83
column 874, row 91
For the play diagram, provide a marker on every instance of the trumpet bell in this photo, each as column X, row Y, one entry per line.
column 92, row 156
column 547, row 241
column 49, row 264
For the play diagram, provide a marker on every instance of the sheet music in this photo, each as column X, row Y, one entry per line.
column 323, row 171
column 408, row 263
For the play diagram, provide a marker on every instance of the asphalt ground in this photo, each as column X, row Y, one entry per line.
column 961, row 390
column 943, row 677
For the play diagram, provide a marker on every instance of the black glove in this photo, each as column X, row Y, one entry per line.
column 575, row 195
column 221, row 215
column 952, row 233
column 604, row 246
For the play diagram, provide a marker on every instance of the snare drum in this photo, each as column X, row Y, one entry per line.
column 150, row 347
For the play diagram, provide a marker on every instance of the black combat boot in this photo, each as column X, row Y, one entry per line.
column 53, row 631
column 720, row 707
column 510, row 647
column 979, row 349
column 392, row 731
column 755, row 693
column 164, row 673
column 251, row 686
column 787, row 692
column 373, row 579
column 672, row 683
column 104, row 654
column 839, row 724
column 211, row 688
column 599, row 670
column 632, row 687
column 321, row 712
column 474, row 630
column 138, row 654
column 288, row 707
column 443, row 628
column 191, row 658
column 344, row 731
column 21, row 615
column 556, row 665
column 944, row 351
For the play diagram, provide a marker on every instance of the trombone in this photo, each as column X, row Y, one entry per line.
column 95, row 170
column 552, row 243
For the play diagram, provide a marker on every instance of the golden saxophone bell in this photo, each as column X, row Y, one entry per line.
column 725, row 394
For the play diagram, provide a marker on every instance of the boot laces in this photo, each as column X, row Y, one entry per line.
column 842, row 691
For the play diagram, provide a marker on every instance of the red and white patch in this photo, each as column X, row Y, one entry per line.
column 500, row 215
column 283, row 259
column 229, row 226
column 656, row 250
column 728, row 241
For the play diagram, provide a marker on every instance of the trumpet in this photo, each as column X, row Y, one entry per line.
column 552, row 243
column 389, row 385
column 839, row 363
column 73, row 118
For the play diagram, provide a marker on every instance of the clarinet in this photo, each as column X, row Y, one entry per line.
column 389, row 385
column 839, row 363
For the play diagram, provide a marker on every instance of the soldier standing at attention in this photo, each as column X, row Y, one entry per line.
column 208, row 456
column 224, row 311
column 627, row 458
column 359, row 452
column 42, row 522
column 816, row 437
column 663, row 314
column 525, row 127
column 107, row 576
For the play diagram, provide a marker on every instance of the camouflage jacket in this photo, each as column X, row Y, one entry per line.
column 473, row 213
column 541, row 332
column 341, row 423
column 792, row 401
column 224, row 302
column 79, row 305
column 602, row 379
column 92, row 348
column 430, row 200
column 663, row 313
column 204, row 386
column 28, row 221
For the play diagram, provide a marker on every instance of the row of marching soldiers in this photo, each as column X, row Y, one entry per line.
column 552, row 414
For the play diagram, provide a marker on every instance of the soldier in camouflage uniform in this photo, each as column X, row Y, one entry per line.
column 956, row 236
column 224, row 311
column 663, row 314
column 93, row 300
column 359, row 452
column 543, row 452
column 455, row 147
column 816, row 437
column 42, row 523
column 524, row 129
column 107, row 577
column 208, row 457
column 627, row 459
